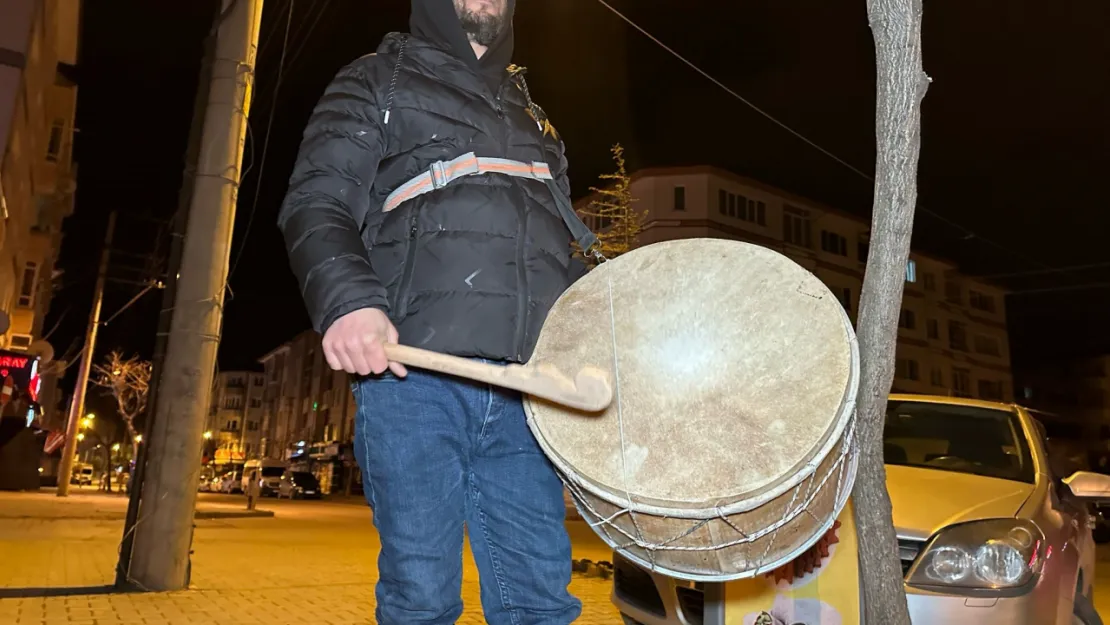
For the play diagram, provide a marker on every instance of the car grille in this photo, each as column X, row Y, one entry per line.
column 636, row 587
column 692, row 603
column 908, row 550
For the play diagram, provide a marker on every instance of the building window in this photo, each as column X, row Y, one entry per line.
column 961, row 383
column 27, row 286
column 907, row 320
column 990, row 390
column 680, row 198
column 987, row 345
column 929, row 281
column 911, row 271
column 979, row 301
column 795, row 227
column 953, row 292
column 833, row 243
column 905, row 369
column 936, row 377
column 957, row 336
column 20, row 342
column 933, row 329
column 741, row 207
column 233, row 403
column 54, row 145
column 256, row 403
column 844, row 294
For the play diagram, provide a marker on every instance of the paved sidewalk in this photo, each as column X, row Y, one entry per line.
column 313, row 563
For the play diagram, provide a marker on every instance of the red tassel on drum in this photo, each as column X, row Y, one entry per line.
column 810, row 560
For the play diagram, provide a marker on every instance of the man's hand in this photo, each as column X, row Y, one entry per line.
column 355, row 343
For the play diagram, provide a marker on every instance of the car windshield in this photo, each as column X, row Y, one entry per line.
column 951, row 437
column 272, row 471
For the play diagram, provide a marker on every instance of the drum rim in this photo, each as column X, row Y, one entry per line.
column 750, row 501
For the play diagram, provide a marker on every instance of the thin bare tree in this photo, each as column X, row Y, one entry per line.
column 612, row 214
column 128, row 381
column 900, row 87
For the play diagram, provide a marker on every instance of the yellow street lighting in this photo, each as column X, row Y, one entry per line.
column 90, row 416
column 80, row 436
column 208, row 435
column 138, row 438
column 115, row 447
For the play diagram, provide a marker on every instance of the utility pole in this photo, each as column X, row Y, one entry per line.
column 77, row 405
column 163, row 541
column 165, row 316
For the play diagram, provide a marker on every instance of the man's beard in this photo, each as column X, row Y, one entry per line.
column 481, row 28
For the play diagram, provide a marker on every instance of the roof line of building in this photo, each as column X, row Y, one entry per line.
column 804, row 202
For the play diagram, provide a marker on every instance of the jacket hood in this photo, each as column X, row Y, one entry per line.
column 437, row 22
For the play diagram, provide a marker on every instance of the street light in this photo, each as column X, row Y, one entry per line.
column 80, row 436
column 208, row 435
column 115, row 447
column 138, row 438
column 90, row 416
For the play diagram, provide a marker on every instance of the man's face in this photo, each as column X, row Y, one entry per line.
column 482, row 20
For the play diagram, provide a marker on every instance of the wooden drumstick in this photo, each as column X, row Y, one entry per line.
column 589, row 391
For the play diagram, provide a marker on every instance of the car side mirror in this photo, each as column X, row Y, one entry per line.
column 1088, row 485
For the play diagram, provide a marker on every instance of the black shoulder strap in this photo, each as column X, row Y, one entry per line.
column 582, row 234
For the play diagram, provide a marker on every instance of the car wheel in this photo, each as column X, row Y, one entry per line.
column 1084, row 612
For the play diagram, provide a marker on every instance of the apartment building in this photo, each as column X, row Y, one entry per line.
column 953, row 337
column 234, row 426
column 38, row 98
column 308, row 412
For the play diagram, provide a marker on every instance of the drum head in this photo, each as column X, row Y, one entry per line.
column 732, row 367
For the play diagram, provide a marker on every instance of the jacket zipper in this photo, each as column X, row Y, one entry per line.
column 521, row 233
column 522, row 284
column 402, row 306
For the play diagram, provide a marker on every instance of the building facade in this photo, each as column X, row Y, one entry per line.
column 953, row 337
column 38, row 99
column 234, row 426
column 308, row 413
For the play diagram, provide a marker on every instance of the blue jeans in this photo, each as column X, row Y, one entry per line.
column 438, row 453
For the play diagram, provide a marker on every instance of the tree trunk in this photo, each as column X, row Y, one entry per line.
column 900, row 86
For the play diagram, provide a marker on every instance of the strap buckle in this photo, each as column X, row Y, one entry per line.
column 438, row 172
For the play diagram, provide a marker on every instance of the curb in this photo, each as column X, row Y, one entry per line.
column 233, row 514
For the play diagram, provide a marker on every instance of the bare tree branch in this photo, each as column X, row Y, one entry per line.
column 611, row 214
column 128, row 381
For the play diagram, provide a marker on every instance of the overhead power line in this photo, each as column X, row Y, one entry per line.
column 967, row 232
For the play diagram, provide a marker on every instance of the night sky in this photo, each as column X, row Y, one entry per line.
column 1015, row 143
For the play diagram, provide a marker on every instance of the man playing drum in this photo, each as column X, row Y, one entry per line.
column 429, row 206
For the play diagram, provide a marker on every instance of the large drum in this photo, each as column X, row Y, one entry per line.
column 728, row 447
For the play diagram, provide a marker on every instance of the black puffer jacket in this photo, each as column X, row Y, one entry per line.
column 470, row 269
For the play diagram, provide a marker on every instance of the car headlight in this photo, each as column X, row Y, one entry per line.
column 992, row 554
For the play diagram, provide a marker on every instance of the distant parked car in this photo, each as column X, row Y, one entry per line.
column 299, row 485
column 979, row 514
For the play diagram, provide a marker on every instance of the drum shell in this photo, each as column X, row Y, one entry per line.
column 704, row 550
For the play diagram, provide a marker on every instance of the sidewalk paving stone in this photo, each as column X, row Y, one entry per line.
column 314, row 562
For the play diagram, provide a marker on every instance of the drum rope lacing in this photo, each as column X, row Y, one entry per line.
column 848, row 453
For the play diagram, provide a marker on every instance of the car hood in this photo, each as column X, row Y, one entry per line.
column 927, row 500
